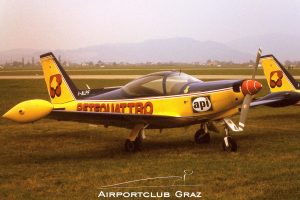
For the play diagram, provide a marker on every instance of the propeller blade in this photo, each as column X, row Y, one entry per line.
column 244, row 111
column 256, row 63
column 248, row 98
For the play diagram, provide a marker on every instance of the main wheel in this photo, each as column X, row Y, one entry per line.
column 138, row 142
column 201, row 137
column 133, row 146
column 231, row 147
column 130, row 146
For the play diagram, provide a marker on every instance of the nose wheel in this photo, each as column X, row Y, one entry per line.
column 202, row 135
column 229, row 144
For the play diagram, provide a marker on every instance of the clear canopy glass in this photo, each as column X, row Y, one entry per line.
column 159, row 84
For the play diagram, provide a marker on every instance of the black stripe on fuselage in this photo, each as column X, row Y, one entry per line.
column 215, row 85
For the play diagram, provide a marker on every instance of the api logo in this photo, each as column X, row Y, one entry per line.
column 201, row 104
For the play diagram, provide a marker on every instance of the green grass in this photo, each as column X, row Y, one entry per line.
column 66, row 160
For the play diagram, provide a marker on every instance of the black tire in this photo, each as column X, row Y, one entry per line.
column 232, row 145
column 201, row 137
column 130, row 146
column 138, row 143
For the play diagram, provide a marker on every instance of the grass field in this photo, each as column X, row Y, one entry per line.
column 66, row 160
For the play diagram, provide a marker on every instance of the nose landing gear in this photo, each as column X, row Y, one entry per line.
column 202, row 136
column 229, row 144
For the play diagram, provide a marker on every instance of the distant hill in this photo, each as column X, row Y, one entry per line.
column 158, row 50
column 285, row 47
column 161, row 50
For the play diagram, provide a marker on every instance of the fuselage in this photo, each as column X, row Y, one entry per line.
column 187, row 102
column 159, row 100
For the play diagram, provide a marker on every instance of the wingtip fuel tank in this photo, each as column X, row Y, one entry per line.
column 29, row 111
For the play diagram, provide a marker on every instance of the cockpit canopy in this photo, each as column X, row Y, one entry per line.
column 158, row 84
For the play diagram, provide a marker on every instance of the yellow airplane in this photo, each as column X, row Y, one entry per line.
column 159, row 100
column 284, row 89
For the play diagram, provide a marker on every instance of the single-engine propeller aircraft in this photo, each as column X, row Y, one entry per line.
column 159, row 100
column 284, row 89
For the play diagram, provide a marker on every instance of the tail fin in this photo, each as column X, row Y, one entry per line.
column 278, row 78
column 60, row 87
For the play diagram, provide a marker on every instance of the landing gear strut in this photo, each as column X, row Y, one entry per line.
column 229, row 144
column 202, row 135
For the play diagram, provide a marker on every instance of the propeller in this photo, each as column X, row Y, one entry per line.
column 249, row 87
column 256, row 63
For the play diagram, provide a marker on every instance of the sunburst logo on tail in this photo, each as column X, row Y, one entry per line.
column 276, row 79
column 55, row 85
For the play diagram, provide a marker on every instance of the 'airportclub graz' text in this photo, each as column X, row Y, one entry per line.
column 177, row 194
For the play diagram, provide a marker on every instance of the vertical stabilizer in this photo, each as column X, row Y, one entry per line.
column 278, row 78
column 60, row 87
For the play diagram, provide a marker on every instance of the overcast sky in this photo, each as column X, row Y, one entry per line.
column 66, row 24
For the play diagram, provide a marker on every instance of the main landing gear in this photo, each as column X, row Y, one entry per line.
column 202, row 135
column 133, row 146
column 229, row 144
column 134, row 141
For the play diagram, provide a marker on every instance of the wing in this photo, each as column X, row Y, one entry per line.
column 122, row 120
column 278, row 99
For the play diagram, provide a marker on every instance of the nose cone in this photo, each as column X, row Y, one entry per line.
column 251, row 87
column 29, row 111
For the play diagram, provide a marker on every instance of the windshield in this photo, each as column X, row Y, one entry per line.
column 175, row 82
column 145, row 86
